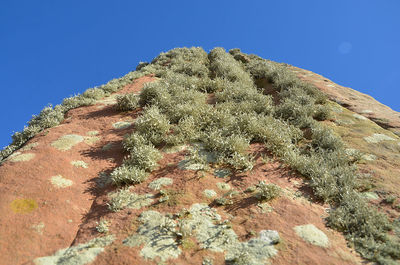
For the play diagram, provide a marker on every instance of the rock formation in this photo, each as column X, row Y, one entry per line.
column 196, row 158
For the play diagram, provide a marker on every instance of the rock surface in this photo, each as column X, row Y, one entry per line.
column 57, row 205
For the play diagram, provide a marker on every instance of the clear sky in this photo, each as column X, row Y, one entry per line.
column 50, row 49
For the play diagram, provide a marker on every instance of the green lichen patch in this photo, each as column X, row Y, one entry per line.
column 77, row 255
column 256, row 251
column 210, row 193
column 92, row 133
column 120, row 125
column 158, row 234
column 60, row 182
column 107, row 147
column 79, row 163
column 66, row 142
column 222, row 172
column 378, row 137
column 223, row 186
column 90, row 140
column 160, row 182
column 125, row 199
column 21, row 157
column 23, row 205
column 312, row 235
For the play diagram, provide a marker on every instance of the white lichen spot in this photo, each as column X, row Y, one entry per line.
column 38, row 228
column 92, row 133
column 120, row 125
column 223, row 186
column 210, row 193
column 79, row 163
column 66, row 142
column 369, row 157
column 359, row 117
column 18, row 157
column 29, row 147
column 366, row 111
column 90, row 140
column 77, row 255
column 378, row 137
column 311, row 234
column 60, row 182
column 160, row 182
column 126, row 199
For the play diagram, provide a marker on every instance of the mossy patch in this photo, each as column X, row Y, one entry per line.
column 66, row 142
column 312, row 235
column 23, row 205
column 77, row 255
column 60, row 182
column 79, row 163
column 21, row 157
column 160, row 182
column 120, row 125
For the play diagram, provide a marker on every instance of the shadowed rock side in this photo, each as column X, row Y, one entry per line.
column 69, row 196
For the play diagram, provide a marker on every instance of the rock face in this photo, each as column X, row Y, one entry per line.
column 59, row 205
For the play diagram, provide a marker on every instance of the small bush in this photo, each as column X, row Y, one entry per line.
column 127, row 102
column 153, row 125
column 267, row 192
column 95, row 93
column 143, row 157
column 102, row 226
column 324, row 138
column 134, row 140
column 126, row 174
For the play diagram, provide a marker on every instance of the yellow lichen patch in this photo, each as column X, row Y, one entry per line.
column 92, row 139
column 23, row 205
column 60, row 182
column 22, row 157
column 66, row 142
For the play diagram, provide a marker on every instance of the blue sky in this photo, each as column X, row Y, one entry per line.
column 50, row 50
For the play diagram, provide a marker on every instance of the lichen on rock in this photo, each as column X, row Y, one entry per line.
column 312, row 235
column 126, row 199
column 158, row 234
column 77, row 255
column 60, row 182
column 66, row 142
column 160, row 182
